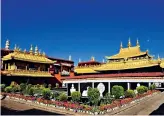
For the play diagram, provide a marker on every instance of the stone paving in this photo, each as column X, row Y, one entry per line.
column 144, row 107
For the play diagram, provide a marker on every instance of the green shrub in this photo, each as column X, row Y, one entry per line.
column 22, row 86
column 31, row 91
column 107, row 98
column 8, row 89
column 46, row 93
column 93, row 95
column 56, row 95
column 142, row 89
column 130, row 93
column 152, row 87
column 63, row 97
column 76, row 96
column 38, row 86
column 2, row 87
column 117, row 91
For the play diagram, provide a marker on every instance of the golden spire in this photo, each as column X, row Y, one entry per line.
column 103, row 61
column 79, row 60
column 159, row 59
column 129, row 43
column 92, row 58
column 138, row 42
column 24, row 50
column 7, row 45
column 31, row 49
column 44, row 54
column 39, row 52
column 121, row 45
column 15, row 47
column 36, row 50
column 70, row 58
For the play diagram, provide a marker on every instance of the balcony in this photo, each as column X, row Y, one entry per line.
column 29, row 73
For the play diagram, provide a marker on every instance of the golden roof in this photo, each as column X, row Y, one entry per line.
column 128, row 52
column 84, row 70
column 127, row 65
column 18, row 55
column 162, row 63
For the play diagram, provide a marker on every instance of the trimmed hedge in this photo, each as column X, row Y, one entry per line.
column 129, row 94
column 142, row 89
column 117, row 91
column 76, row 96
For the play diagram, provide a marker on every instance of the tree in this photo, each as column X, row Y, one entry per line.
column 8, row 89
column 107, row 98
column 63, row 97
column 31, row 91
column 152, row 87
column 22, row 86
column 130, row 93
column 76, row 96
column 93, row 96
column 2, row 87
column 117, row 91
column 142, row 89
column 46, row 93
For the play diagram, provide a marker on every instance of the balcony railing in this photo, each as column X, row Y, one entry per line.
column 29, row 73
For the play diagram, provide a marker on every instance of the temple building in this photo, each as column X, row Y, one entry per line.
column 32, row 66
column 130, row 68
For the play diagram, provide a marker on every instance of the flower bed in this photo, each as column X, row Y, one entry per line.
column 76, row 107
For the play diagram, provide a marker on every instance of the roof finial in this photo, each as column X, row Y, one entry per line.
column 92, row 58
column 138, row 42
column 31, row 49
column 159, row 59
column 103, row 61
column 24, row 50
column 129, row 43
column 70, row 58
column 15, row 47
column 121, row 45
column 79, row 60
column 36, row 50
column 7, row 45
column 39, row 52
column 44, row 54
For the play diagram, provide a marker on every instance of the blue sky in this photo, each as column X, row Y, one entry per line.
column 83, row 28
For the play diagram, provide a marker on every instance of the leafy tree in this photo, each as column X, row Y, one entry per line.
column 117, row 91
column 93, row 96
column 63, row 97
column 22, row 86
column 108, row 98
column 152, row 87
column 76, row 96
column 31, row 91
column 2, row 87
column 8, row 89
column 46, row 93
column 130, row 93
column 142, row 89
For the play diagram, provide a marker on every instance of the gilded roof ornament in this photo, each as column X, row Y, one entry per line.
column 129, row 43
column 15, row 47
column 121, row 45
column 79, row 60
column 36, row 50
column 7, row 45
column 24, row 50
column 39, row 52
column 44, row 54
column 138, row 42
column 31, row 49
column 70, row 58
column 159, row 59
column 92, row 58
